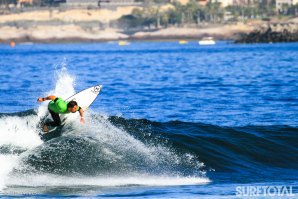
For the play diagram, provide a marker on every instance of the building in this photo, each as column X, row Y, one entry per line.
column 242, row 2
column 40, row 2
column 82, row 3
column 121, row 2
column 224, row 3
column 281, row 5
column 22, row 2
column 98, row 3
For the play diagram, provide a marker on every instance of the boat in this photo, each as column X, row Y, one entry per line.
column 183, row 42
column 123, row 43
column 207, row 41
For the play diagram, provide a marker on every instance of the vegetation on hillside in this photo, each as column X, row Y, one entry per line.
column 152, row 15
column 194, row 14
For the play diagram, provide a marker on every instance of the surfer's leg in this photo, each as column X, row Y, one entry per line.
column 56, row 118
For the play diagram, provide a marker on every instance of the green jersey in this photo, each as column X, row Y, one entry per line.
column 58, row 106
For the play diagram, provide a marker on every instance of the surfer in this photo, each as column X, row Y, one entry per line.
column 59, row 106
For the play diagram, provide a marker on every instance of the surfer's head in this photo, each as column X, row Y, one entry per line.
column 72, row 106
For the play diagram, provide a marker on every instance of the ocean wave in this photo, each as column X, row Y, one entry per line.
column 223, row 148
column 116, row 146
column 95, row 149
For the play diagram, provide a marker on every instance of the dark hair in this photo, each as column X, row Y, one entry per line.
column 71, row 104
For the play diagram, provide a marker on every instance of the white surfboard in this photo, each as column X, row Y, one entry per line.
column 84, row 99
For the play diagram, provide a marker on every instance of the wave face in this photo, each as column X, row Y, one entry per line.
column 115, row 145
column 98, row 153
column 98, row 149
column 249, row 148
column 101, row 148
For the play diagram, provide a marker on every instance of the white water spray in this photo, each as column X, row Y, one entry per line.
column 21, row 132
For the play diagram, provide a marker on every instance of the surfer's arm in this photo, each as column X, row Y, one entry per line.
column 81, row 111
column 51, row 97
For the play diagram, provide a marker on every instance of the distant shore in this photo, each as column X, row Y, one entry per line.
column 54, row 26
column 73, row 33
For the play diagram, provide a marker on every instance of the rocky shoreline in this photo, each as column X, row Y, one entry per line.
column 271, row 33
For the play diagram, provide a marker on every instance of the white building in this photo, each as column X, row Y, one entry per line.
column 225, row 3
column 282, row 4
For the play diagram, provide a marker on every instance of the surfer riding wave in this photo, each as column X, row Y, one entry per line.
column 59, row 106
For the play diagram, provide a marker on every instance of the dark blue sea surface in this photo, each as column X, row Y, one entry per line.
column 172, row 121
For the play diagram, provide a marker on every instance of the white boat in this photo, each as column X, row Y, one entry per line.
column 207, row 41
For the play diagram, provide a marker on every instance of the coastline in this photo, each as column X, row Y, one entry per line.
column 75, row 33
column 81, row 25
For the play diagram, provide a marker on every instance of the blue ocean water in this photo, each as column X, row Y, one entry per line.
column 172, row 121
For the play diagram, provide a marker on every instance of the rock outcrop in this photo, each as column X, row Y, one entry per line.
column 271, row 33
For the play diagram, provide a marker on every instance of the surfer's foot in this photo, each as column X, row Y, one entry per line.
column 45, row 129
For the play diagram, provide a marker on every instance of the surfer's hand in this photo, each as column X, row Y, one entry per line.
column 40, row 99
column 82, row 120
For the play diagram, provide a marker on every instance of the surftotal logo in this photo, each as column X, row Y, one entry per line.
column 250, row 191
column 96, row 89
